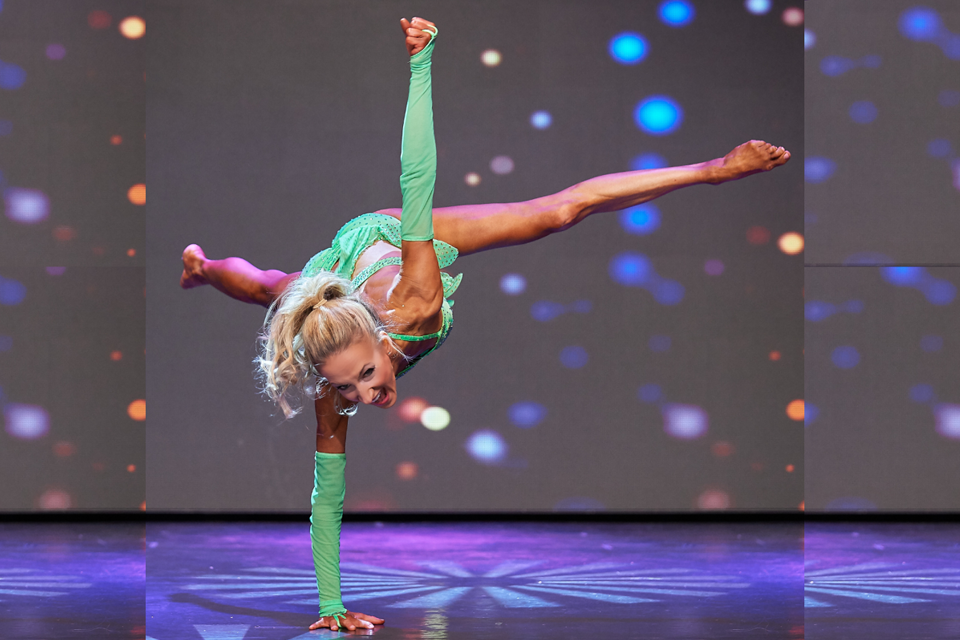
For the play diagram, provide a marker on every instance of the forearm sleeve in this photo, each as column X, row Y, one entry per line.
column 325, row 516
column 418, row 153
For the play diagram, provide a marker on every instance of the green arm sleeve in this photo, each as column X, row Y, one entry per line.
column 418, row 152
column 325, row 515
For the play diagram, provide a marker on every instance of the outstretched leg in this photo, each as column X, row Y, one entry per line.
column 475, row 228
column 233, row 276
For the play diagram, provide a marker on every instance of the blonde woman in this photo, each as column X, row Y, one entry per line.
column 362, row 313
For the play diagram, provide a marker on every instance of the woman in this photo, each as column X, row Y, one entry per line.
column 363, row 312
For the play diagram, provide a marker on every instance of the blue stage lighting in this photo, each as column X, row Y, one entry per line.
column 818, row 310
column 676, row 13
column 940, row 292
column 641, row 220
column 513, row 284
column 669, row 292
column 810, row 414
column 922, row 393
column 628, row 48
column 920, row 23
column 11, row 76
column 11, row 292
column 631, row 269
column 6, row 343
column 931, row 343
column 903, row 276
column 949, row 98
column 853, row 306
column 650, row 393
column 573, row 357
column 487, row 446
column 809, row 39
column 863, row 112
column 940, row 148
column 658, row 115
column 646, row 161
column 818, row 169
column 834, row 66
column 758, row 7
column 541, row 119
column 845, row 357
column 546, row 310
column 527, row 414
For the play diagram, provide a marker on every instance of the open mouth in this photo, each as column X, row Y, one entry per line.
column 381, row 399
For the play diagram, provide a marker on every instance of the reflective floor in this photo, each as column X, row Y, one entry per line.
column 880, row 581
column 75, row 580
column 221, row 581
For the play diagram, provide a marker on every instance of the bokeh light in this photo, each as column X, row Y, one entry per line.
column 659, row 343
column 6, row 128
column 774, row 356
column 56, row 271
column 513, row 284
column 472, row 179
column 527, row 414
column 713, row 267
column 574, row 357
column 809, row 39
column 922, row 393
column 55, row 500
column 631, row 269
column 501, row 165
column 646, row 161
column 713, row 500
column 758, row 235
column 920, row 23
column 640, row 220
column 628, row 48
column 131, row 468
column 791, row 243
column 650, row 393
column 684, row 421
column 793, row 17
column 949, row 98
column 11, row 76
column 133, row 27
column 64, row 233
column 677, row 13
column 64, row 449
column 817, row 169
column 541, row 119
column 115, row 140
column 26, row 421
column 931, row 343
column 658, row 115
column 137, row 410
column 863, row 112
column 757, row 7
column 6, row 344
column 721, row 449
column 845, row 357
column 546, row 310
column 56, row 51
column 407, row 470
column 99, row 19
column 26, row 206
column 795, row 410
column 491, row 58
column 116, row 356
column 810, row 414
column 12, row 292
column 948, row 420
column 411, row 409
column 137, row 194
column 940, row 148
column 834, row 66
column 789, row 468
column 435, row 418
column 487, row 446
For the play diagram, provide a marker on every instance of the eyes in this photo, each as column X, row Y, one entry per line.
column 366, row 374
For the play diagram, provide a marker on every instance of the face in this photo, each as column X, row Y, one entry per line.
column 363, row 372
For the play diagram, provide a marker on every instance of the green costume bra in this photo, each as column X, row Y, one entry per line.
column 361, row 233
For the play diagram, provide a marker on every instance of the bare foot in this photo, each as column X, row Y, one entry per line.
column 193, row 260
column 749, row 158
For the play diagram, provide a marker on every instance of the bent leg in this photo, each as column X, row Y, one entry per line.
column 475, row 228
column 233, row 276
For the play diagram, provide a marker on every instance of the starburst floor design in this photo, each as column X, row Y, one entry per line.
column 511, row 584
column 880, row 582
column 27, row 582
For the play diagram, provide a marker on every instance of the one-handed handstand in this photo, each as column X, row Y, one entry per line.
column 363, row 312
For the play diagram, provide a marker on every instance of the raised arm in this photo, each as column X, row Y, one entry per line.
column 419, row 288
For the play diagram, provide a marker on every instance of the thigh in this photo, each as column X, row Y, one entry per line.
column 480, row 227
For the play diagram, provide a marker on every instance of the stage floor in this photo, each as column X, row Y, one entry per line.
column 882, row 581
column 71, row 580
column 230, row 581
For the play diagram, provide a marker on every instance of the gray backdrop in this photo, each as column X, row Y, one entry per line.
column 272, row 124
column 72, row 312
